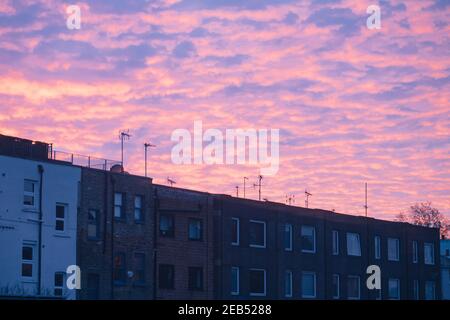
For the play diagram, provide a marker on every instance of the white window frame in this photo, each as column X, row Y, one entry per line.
column 257, row 294
column 121, row 205
column 59, row 287
column 397, row 241
column 415, row 252
column 314, row 238
column 138, row 208
column 288, row 228
column 64, row 220
column 315, row 284
column 235, row 293
column 237, row 231
column 30, row 194
column 288, row 293
column 258, row 245
column 392, row 280
column 336, row 276
column 359, row 287
column 425, row 245
column 359, row 244
column 416, row 288
column 33, row 247
column 335, row 242
column 377, row 247
column 434, row 290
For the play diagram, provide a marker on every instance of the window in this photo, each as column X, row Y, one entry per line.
column 288, row 283
column 28, row 260
column 428, row 252
column 234, row 280
column 308, row 284
column 415, row 252
column 257, row 282
column 335, row 244
column 138, row 214
column 393, row 249
column 336, row 293
column 353, row 244
column 139, row 262
column 29, row 193
column 195, row 278
column 195, row 229
column 377, row 241
column 93, row 285
column 119, row 272
column 235, row 231
column 166, row 276
column 166, row 225
column 430, row 290
column 59, row 284
column 257, row 234
column 118, row 206
column 308, row 239
column 353, row 288
column 416, row 289
column 288, row 237
column 394, row 289
column 93, row 224
column 61, row 213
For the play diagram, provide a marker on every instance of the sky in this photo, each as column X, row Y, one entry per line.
column 353, row 105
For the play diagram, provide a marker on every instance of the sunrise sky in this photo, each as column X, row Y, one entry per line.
column 353, row 105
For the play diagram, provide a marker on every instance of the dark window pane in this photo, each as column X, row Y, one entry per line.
column 166, row 225
column 27, row 270
column 139, row 276
column 58, row 292
column 28, row 200
column 59, row 225
column 234, row 231
column 308, row 238
column 195, row 229
column 166, row 276
column 59, row 279
column 257, row 233
column 60, row 210
column 92, row 215
column 27, row 253
column 28, row 186
column 195, row 278
column 257, row 281
column 119, row 268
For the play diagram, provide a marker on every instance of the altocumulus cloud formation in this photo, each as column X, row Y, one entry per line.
column 353, row 105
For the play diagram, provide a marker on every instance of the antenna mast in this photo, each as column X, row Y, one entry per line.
column 171, row 182
column 260, row 177
column 237, row 191
column 307, row 195
column 123, row 135
column 245, row 178
column 147, row 145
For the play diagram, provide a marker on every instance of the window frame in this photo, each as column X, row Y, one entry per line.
column 416, row 289
column 64, row 219
column 252, row 245
column 235, row 293
column 258, row 294
column 377, row 247
column 122, row 270
column 141, row 268
column 200, row 221
column 237, row 242
column 433, row 283
column 433, row 258
column 32, row 194
column 335, row 242
column 288, row 293
column 358, row 278
column 97, row 224
column 191, row 286
column 394, row 280
column 359, row 244
column 313, row 274
column 314, row 239
column 122, row 216
column 61, row 287
column 171, row 286
column 397, row 247
column 31, row 262
column 139, row 209
column 171, row 232
column 333, row 277
column 288, row 228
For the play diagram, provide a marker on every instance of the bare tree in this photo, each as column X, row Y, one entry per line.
column 402, row 217
column 423, row 214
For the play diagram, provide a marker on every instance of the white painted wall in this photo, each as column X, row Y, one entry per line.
column 18, row 224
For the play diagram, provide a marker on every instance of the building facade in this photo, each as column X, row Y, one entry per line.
column 272, row 251
column 445, row 269
column 116, row 235
column 184, row 244
column 38, row 220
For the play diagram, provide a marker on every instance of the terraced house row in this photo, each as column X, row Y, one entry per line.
column 133, row 239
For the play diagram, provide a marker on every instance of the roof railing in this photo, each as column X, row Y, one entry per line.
column 83, row 160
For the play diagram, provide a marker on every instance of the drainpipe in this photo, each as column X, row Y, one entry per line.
column 41, row 180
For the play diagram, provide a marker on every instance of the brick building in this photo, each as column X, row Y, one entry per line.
column 184, row 241
column 269, row 250
column 118, row 266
